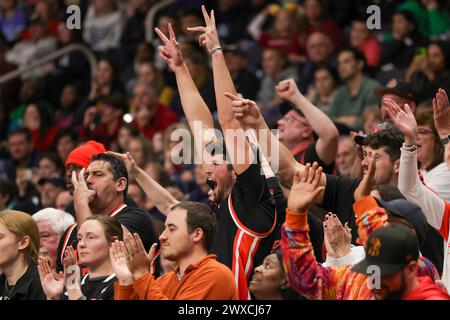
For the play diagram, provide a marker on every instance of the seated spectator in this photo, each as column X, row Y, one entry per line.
column 138, row 195
column 320, row 52
column 371, row 119
column 8, row 194
column 356, row 94
column 49, row 165
column 103, row 26
column 188, row 18
column 48, row 11
column 397, row 241
column 51, row 224
column 151, row 117
column 22, row 153
column 13, row 20
column 400, row 46
column 430, row 15
column 109, row 111
column 65, row 143
column 189, row 233
column 19, row 256
column 95, row 236
column 38, row 119
column 282, row 35
column 199, row 69
column 322, row 94
column 50, row 188
column 200, row 193
column 431, row 72
column 134, row 29
column 400, row 92
column 38, row 46
column 178, row 161
column 141, row 150
column 346, row 156
column 106, row 82
column 30, row 92
column 63, row 200
column 147, row 72
column 245, row 81
column 232, row 19
column 68, row 104
column 126, row 133
column 362, row 39
column 276, row 68
column 73, row 67
column 316, row 20
column 269, row 281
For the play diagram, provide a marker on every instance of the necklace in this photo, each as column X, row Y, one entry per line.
column 7, row 293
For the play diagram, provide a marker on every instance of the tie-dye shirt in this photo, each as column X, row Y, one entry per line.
column 316, row 282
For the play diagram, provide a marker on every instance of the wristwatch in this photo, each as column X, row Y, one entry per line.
column 445, row 140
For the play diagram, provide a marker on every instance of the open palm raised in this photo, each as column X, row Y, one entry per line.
column 305, row 188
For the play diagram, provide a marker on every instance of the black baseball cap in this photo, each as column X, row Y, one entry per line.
column 390, row 248
column 413, row 214
column 397, row 87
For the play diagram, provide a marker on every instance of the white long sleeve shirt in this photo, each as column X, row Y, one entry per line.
column 436, row 210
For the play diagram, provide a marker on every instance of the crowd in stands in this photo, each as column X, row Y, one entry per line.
column 94, row 203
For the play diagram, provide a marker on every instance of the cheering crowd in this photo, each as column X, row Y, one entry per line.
column 118, row 187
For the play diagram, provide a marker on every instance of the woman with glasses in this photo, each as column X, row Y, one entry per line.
column 430, row 153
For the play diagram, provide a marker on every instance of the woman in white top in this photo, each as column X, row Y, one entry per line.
column 430, row 154
column 103, row 27
column 436, row 209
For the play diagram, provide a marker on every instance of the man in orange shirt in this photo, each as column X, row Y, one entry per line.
column 189, row 233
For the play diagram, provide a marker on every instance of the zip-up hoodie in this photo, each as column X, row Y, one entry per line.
column 427, row 290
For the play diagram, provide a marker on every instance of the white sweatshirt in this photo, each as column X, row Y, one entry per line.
column 435, row 209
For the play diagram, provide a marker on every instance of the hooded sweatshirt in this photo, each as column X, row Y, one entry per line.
column 427, row 290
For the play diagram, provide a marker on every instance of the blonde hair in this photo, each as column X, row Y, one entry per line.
column 22, row 225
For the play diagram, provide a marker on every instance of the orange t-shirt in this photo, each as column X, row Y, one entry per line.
column 206, row 280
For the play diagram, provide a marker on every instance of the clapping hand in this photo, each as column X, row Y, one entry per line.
column 441, row 110
column 305, row 188
column 337, row 238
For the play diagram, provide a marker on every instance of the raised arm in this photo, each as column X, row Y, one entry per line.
column 327, row 144
column 161, row 197
column 408, row 181
column 224, row 83
column 248, row 114
column 194, row 107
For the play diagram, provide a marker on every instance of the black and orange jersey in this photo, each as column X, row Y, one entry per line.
column 99, row 288
column 136, row 220
column 308, row 154
column 247, row 227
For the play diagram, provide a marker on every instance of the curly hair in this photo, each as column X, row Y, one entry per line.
column 390, row 140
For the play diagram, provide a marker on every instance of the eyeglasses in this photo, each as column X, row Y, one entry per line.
column 290, row 119
column 424, row 132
